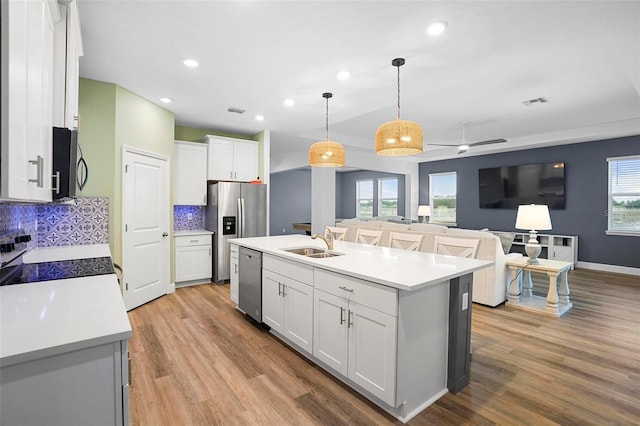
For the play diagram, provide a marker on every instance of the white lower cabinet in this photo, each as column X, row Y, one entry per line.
column 193, row 258
column 286, row 308
column 88, row 386
column 234, row 277
column 356, row 341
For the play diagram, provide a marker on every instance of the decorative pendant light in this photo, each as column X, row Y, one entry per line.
column 399, row 137
column 326, row 153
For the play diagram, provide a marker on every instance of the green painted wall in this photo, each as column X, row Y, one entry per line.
column 113, row 117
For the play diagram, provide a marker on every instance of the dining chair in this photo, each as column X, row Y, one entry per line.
column 335, row 232
column 461, row 247
column 405, row 241
column 368, row 236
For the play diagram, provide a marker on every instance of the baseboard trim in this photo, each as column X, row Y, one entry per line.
column 609, row 268
column 172, row 288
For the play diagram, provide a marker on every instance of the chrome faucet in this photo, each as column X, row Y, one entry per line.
column 328, row 241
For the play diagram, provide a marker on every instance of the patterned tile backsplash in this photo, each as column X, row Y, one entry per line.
column 188, row 218
column 82, row 221
column 18, row 219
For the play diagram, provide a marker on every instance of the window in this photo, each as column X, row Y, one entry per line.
column 364, row 198
column 624, row 196
column 388, row 197
column 442, row 197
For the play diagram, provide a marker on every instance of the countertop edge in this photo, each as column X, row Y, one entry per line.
column 21, row 358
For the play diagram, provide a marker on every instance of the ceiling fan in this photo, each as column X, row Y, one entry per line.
column 463, row 146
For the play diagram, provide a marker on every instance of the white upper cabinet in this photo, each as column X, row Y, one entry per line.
column 27, row 98
column 190, row 174
column 68, row 50
column 231, row 159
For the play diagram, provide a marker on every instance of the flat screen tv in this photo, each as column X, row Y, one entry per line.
column 508, row 187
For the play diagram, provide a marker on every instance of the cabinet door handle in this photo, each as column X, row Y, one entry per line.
column 56, row 187
column 349, row 319
column 210, row 256
column 350, row 290
column 39, row 163
column 230, row 175
column 284, row 286
column 342, row 315
column 279, row 289
column 235, row 264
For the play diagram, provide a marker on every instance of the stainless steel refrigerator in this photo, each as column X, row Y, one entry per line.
column 234, row 210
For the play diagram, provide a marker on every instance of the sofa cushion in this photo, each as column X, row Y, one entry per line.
column 427, row 227
column 506, row 239
column 394, row 226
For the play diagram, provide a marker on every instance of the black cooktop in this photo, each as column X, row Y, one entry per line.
column 20, row 273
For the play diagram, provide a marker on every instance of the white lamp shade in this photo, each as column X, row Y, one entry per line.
column 424, row 211
column 533, row 217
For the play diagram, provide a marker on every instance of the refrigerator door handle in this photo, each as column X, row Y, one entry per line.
column 240, row 216
column 243, row 215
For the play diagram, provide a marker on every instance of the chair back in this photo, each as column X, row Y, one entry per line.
column 335, row 232
column 368, row 236
column 405, row 241
column 461, row 247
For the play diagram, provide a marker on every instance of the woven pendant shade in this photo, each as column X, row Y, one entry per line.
column 399, row 137
column 326, row 153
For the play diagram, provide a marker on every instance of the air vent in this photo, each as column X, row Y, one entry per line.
column 535, row 101
column 236, row 110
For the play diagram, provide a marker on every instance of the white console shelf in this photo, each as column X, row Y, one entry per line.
column 554, row 247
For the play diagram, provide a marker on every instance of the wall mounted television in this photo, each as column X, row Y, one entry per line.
column 508, row 187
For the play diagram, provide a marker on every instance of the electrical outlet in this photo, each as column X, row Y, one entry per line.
column 465, row 301
column 284, row 230
column 189, row 216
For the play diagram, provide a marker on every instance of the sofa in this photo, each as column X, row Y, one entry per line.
column 490, row 285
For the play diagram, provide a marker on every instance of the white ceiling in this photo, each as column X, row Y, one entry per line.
column 584, row 57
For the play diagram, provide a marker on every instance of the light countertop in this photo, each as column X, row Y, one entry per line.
column 48, row 318
column 397, row 268
column 188, row 233
column 54, row 254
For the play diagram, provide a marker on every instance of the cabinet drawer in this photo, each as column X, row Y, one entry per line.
column 375, row 296
column 288, row 268
column 192, row 240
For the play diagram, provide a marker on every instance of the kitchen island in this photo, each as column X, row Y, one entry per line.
column 392, row 324
column 63, row 347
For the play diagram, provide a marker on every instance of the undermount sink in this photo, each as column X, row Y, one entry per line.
column 314, row 252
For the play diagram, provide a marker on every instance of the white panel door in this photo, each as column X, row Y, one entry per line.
column 145, row 213
column 298, row 314
column 330, row 333
column 372, row 351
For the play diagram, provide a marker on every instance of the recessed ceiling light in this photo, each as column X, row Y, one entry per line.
column 166, row 100
column 289, row 102
column 190, row 63
column 260, row 117
column 343, row 75
column 437, row 28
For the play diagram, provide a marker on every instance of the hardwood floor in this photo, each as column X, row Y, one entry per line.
column 195, row 360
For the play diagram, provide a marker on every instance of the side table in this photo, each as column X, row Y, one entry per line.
column 520, row 291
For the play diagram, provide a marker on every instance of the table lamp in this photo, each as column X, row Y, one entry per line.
column 534, row 218
column 423, row 211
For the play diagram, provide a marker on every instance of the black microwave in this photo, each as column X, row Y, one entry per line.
column 69, row 167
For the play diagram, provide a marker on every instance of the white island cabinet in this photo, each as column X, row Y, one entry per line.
column 390, row 323
column 287, row 300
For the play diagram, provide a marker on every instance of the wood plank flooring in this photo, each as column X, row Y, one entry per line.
column 195, row 360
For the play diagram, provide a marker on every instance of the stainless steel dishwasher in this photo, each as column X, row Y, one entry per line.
column 250, row 283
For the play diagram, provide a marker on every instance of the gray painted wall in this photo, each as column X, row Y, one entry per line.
column 290, row 201
column 346, row 192
column 585, row 191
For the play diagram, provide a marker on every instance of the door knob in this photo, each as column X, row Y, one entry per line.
column 165, row 234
